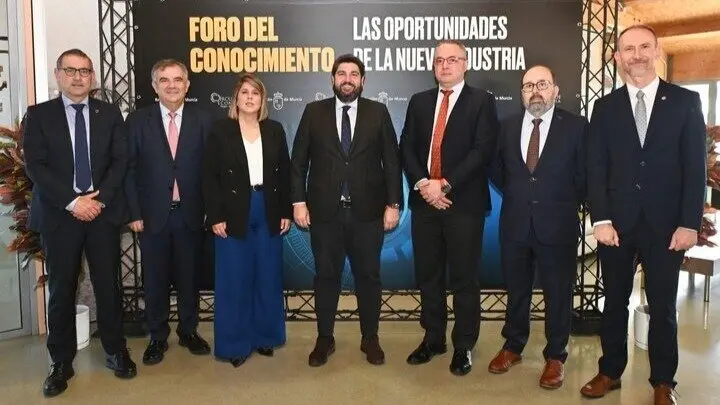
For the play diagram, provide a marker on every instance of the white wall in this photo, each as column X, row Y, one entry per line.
column 61, row 25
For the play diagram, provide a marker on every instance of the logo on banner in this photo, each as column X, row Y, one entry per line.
column 222, row 101
column 277, row 101
column 383, row 98
column 320, row 96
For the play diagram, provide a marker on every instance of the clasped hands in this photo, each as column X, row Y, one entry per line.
column 430, row 190
column 682, row 238
column 86, row 207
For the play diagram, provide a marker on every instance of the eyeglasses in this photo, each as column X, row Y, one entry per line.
column 541, row 85
column 451, row 60
column 70, row 71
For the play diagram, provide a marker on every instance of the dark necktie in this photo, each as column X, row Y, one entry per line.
column 83, row 177
column 345, row 142
column 533, row 153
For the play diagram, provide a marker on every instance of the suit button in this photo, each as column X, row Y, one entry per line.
column 533, row 179
column 637, row 186
column 170, row 187
column 277, row 169
column 233, row 191
column 347, row 163
column 230, row 171
column 642, row 163
column 274, row 189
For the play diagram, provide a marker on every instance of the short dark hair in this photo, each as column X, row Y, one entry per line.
column 636, row 27
column 348, row 58
column 72, row 52
column 163, row 64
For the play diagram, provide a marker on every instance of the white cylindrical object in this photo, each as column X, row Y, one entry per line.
column 642, row 325
column 82, row 325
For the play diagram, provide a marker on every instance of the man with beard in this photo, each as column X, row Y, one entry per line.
column 646, row 188
column 447, row 144
column 540, row 170
column 346, row 176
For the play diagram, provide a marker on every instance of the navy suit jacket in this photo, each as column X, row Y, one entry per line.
column 151, row 168
column 665, row 179
column 551, row 196
column 51, row 167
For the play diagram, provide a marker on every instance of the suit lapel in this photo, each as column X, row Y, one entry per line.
column 455, row 110
column 61, row 116
column 95, row 117
column 515, row 134
column 627, row 114
column 186, row 132
column 427, row 115
column 359, row 124
column 658, row 111
column 553, row 138
column 156, row 123
column 235, row 139
column 267, row 146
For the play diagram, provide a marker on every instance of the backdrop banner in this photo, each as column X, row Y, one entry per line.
column 292, row 46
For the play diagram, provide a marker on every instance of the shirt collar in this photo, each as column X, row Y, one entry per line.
column 546, row 118
column 164, row 110
column 456, row 88
column 67, row 102
column 650, row 90
column 339, row 104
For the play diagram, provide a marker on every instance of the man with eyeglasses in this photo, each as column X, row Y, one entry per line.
column 75, row 154
column 447, row 144
column 540, row 170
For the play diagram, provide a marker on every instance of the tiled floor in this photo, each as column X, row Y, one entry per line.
column 348, row 379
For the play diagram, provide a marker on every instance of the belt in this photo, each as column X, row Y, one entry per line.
column 174, row 205
column 256, row 187
column 345, row 203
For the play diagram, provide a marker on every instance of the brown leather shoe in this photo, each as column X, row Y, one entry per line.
column 503, row 361
column 373, row 352
column 553, row 375
column 599, row 386
column 664, row 395
column 324, row 347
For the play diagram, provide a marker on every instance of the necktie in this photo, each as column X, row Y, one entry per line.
column 533, row 152
column 641, row 117
column 83, row 177
column 437, row 138
column 173, row 136
column 345, row 141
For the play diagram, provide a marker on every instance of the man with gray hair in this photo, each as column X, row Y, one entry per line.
column 540, row 170
column 163, row 186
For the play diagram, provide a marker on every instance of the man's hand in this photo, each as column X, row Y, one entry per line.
column 301, row 215
column 136, row 226
column 219, row 229
column 430, row 190
column 442, row 203
column 683, row 239
column 86, row 208
column 606, row 234
column 390, row 218
column 284, row 225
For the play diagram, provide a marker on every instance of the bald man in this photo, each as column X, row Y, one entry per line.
column 540, row 170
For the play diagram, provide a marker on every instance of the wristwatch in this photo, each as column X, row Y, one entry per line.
column 446, row 187
column 395, row 206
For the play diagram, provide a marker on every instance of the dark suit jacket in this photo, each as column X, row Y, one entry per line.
column 550, row 197
column 50, row 164
column 665, row 179
column 372, row 168
column 468, row 147
column 151, row 168
column 226, row 177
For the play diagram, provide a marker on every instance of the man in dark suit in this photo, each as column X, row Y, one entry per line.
column 354, row 191
column 447, row 144
column 163, row 186
column 646, row 187
column 75, row 154
column 540, row 169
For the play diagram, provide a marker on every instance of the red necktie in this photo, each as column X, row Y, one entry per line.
column 437, row 138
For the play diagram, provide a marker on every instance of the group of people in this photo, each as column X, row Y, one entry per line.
column 169, row 172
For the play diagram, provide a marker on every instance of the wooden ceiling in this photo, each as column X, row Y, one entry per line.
column 682, row 25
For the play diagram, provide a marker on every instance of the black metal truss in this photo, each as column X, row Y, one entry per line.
column 599, row 21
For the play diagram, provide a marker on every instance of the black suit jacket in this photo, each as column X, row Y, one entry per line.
column 372, row 168
column 551, row 196
column 152, row 169
column 50, row 164
column 468, row 147
column 665, row 179
column 226, row 176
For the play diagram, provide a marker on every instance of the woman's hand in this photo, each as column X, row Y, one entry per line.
column 284, row 225
column 219, row 229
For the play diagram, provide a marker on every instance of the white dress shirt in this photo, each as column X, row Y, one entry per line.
column 527, row 127
column 650, row 91
column 253, row 151
column 70, row 113
column 352, row 113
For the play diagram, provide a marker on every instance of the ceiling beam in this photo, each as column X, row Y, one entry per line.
column 687, row 27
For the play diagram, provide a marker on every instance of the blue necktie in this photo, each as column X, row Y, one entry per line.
column 83, row 178
column 345, row 142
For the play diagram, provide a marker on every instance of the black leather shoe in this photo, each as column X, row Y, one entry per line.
column 425, row 352
column 56, row 382
column 196, row 344
column 122, row 364
column 238, row 361
column 324, row 347
column 266, row 351
column 155, row 352
column 461, row 363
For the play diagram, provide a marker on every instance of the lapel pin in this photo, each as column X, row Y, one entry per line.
column 97, row 111
column 663, row 98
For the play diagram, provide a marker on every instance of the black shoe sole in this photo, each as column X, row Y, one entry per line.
column 414, row 361
column 459, row 372
column 47, row 394
column 197, row 352
column 312, row 363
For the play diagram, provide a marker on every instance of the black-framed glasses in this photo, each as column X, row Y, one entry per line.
column 451, row 60
column 541, row 85
column 70, row 71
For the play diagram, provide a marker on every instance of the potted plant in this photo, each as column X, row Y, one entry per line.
column 713, row 181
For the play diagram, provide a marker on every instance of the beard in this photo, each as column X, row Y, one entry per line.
column 347, row 97
column 638, row 67
column 537, row 106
